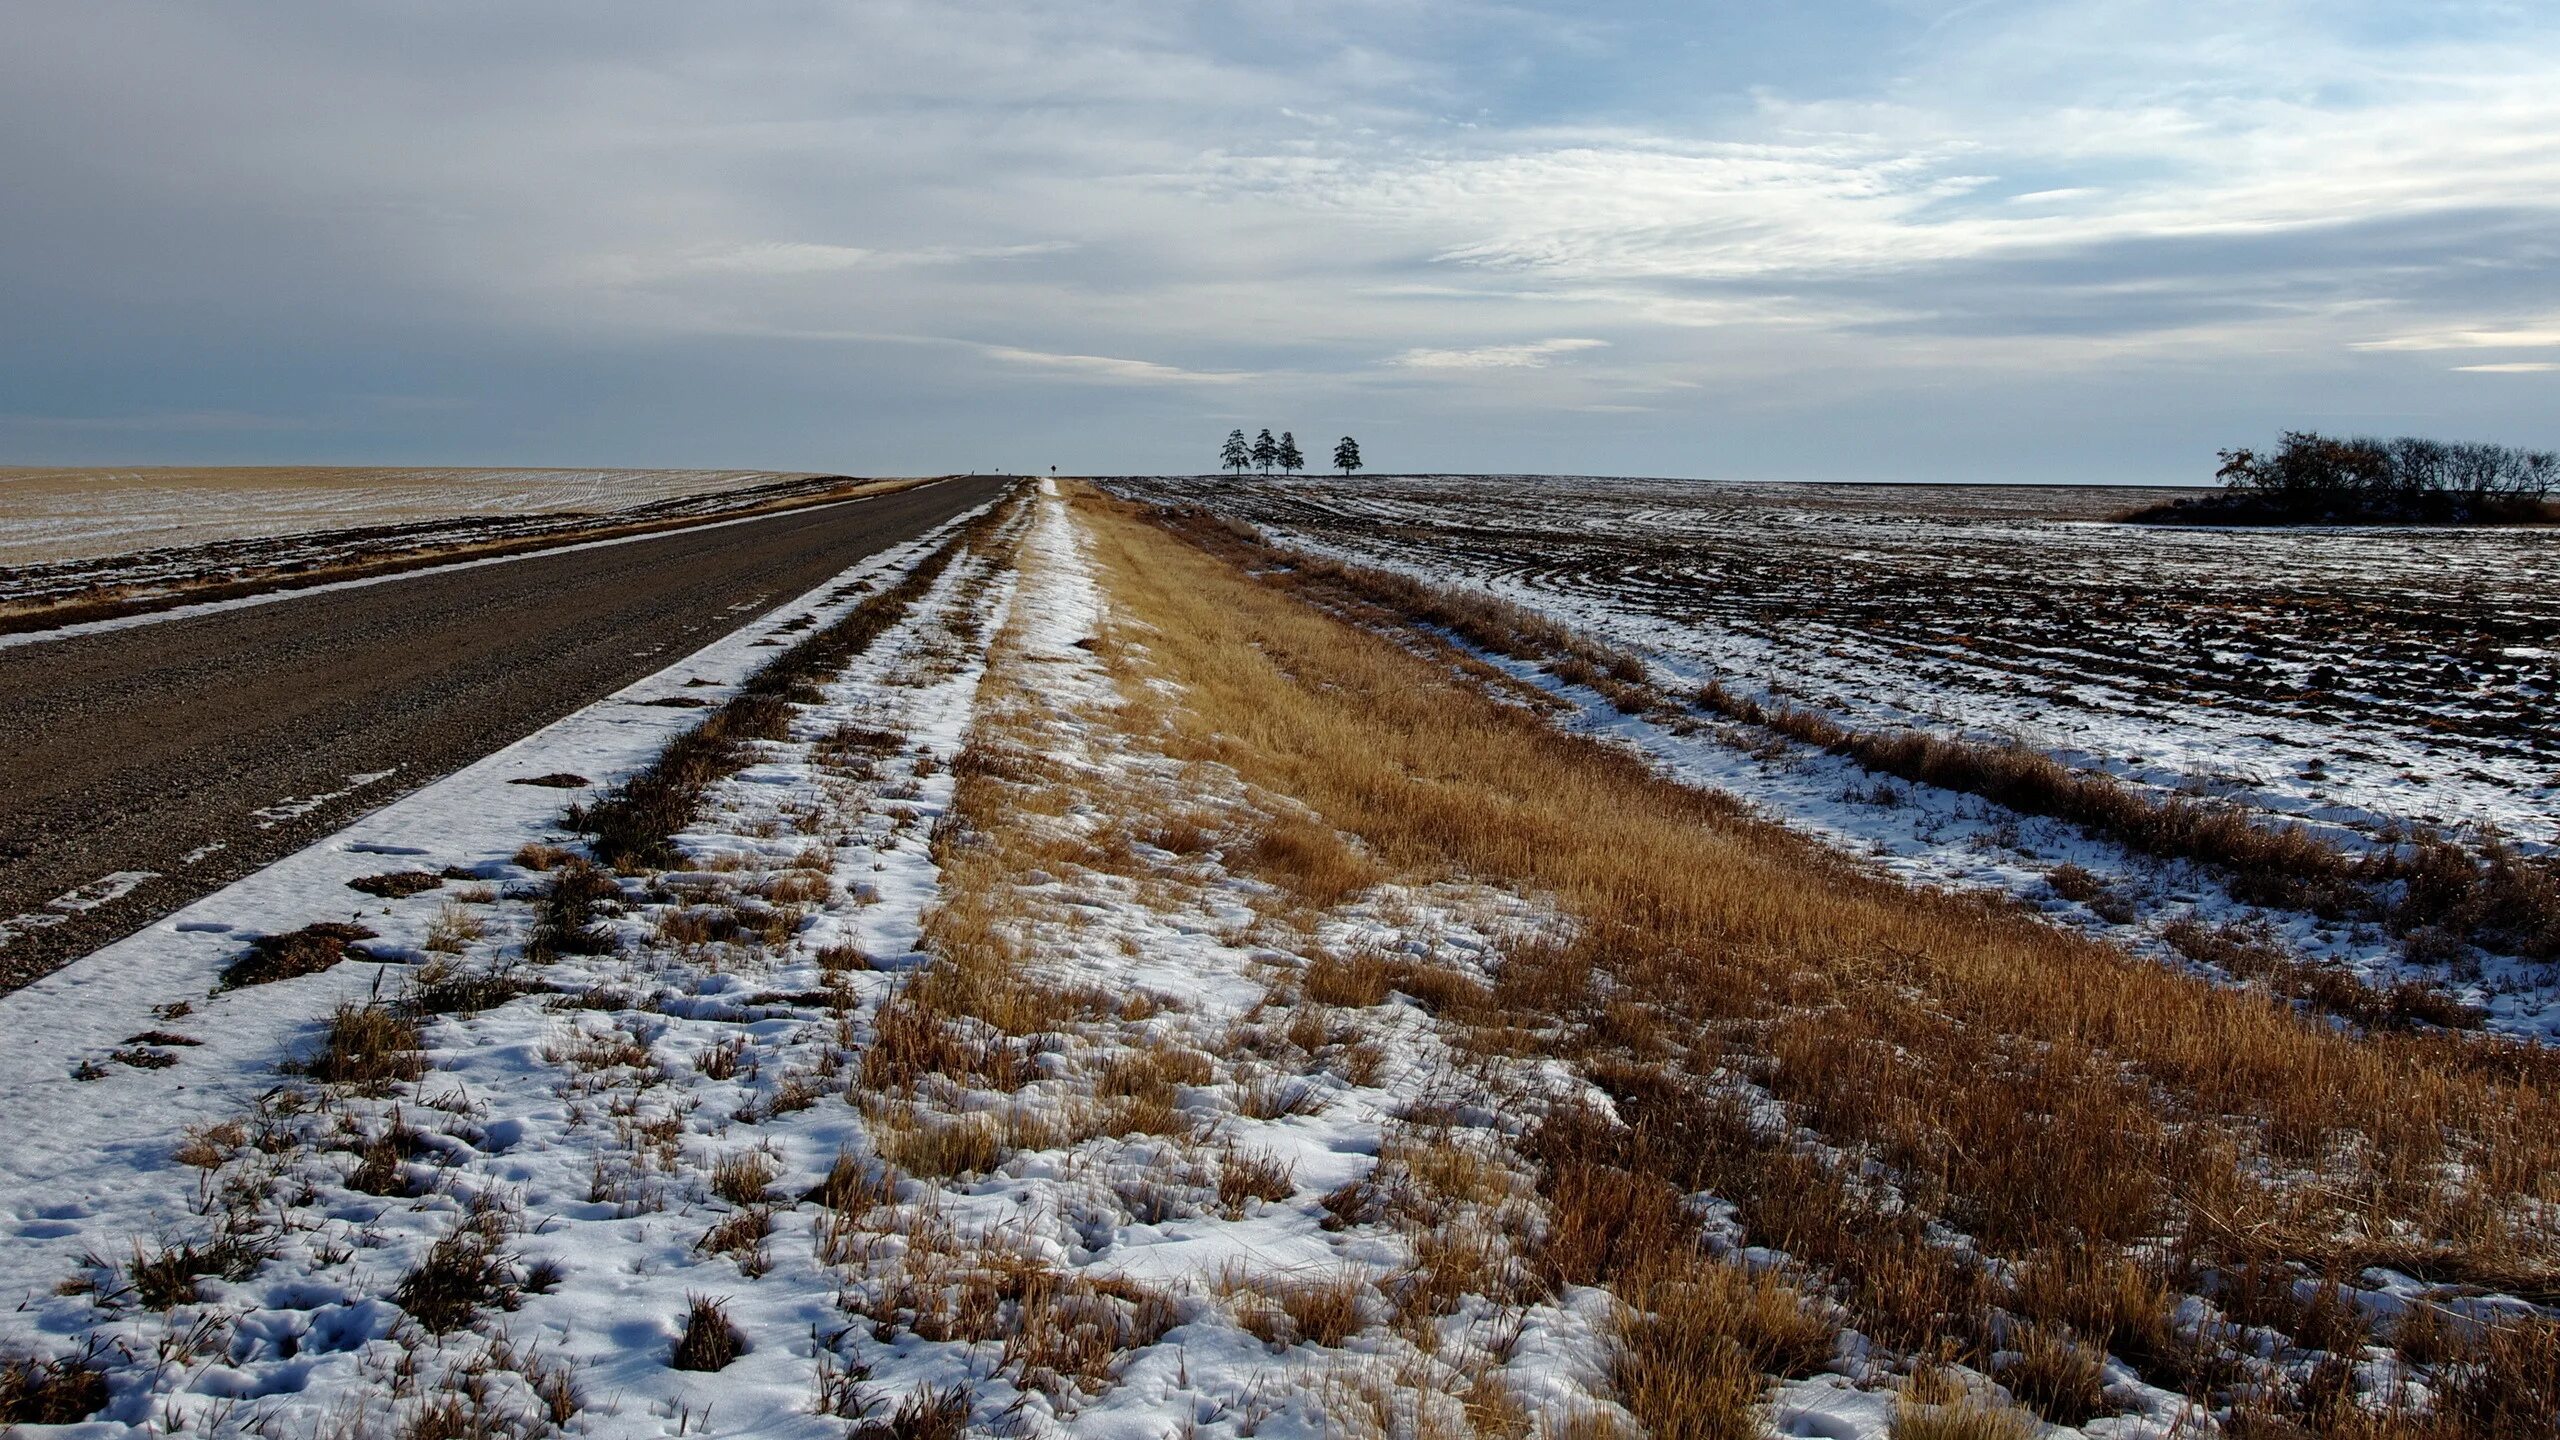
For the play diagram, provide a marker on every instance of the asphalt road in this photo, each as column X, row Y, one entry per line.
column 127, row 752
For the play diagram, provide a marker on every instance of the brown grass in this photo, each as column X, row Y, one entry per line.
column 166, row 1277
column 1960, row 1420
column 928, row 1414
column 744, row 1177
column 464, row 1273
column 368, row 1048
column 306, row 951
column 54, row 1390
column 711, row 1340
column 1284, row 1310
column 1245, row 1175
column 397, row 884
column 2488, row 893
column 2028, row 1087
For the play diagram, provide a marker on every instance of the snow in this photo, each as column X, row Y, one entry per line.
column 62, row 514
column 582, row 1123
column 2381, row 770
column 538, row 1114
column 116, row 1134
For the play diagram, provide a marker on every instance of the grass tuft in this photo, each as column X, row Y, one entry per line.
column 306, row 951
column 711, row 1340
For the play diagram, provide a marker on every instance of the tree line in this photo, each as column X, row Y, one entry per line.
column 2310, row 478
column 1266, row 454
column 2400, row 468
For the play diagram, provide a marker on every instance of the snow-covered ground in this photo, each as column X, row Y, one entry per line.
column 1752, row 587
column 87, row 1168
column 617, row 1136
column 950, row 1071
column 2346, row 677
column 66, row 514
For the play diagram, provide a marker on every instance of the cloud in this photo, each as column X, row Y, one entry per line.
column 1113, row 369
column 839, row 234
column 1527, row 356
column 2519, row 339
column 2511, row 367
column 791, row 257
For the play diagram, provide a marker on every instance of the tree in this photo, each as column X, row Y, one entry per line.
column 1290, row 458
column 1235, row 456
column 1266, row 451
column 1346, row 456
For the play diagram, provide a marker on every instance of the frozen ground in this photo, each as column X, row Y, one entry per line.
column 2347, row 677
column 2179, row 659
column 72, row 514
column 586, row 1134
column 1184, row 1194
column 317, row 1325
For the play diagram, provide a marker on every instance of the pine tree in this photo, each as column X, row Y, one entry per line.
column 1236, row 455
column 1266, row 451
column 1346, row 456
column 1290, row 458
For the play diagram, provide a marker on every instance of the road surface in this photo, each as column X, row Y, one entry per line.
column 124, row 753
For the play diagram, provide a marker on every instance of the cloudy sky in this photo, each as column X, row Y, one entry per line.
column 1828, row 239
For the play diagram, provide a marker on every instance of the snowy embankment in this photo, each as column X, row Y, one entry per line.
column 145, row 1098
column 713, row 1161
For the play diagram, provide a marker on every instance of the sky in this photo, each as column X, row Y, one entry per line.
column 2070, row 241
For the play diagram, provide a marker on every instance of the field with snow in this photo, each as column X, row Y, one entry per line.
column 1092, row 972
column 2351, row 678
column 2363, row 684
column 51, row 515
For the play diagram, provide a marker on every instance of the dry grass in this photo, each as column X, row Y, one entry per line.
column 1283, row 1310
column 50, row 1391
column 1245, row 1175
column 306, row 951
column 741, row 1237
column 853, row 1186
column 1359, row 980
column 2032, row 1089
column 368, row 1048
column 454, row 928
column 744, row 1177
column 2488, row 892
column 1960, row 1420
column 711, row 1340
column 928, row 1414
column 464, row 1273
column 2329, row 989
column 398, row 884
column 165, row 1278
column 935, row 1146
